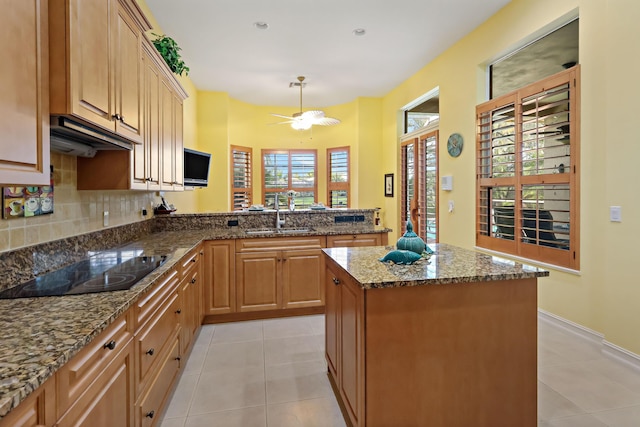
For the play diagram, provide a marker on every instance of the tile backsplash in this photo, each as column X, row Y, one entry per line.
column 76, row 212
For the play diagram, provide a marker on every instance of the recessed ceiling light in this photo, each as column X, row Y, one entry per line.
column 261, row 25
column 359, row 32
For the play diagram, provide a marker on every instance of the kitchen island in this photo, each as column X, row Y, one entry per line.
column 450, row 341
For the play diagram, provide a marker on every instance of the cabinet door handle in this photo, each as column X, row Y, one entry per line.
column 177, row 358
column 117, row 116
column 150, row 352
column 336, row 281
column 110, row 345
column 150, row 414
column 193, row 260
column 193, row 280
column 178, row 311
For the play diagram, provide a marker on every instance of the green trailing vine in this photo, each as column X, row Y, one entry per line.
column 169, row 50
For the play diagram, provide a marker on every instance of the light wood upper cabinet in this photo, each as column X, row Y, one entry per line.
column 128, row 75
column 157, row 162
column 24, row 104
column 171, row 137
column 145, row 158
column 95, row 63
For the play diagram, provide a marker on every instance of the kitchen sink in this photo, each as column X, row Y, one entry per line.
column 294, row 230
column 259, row 231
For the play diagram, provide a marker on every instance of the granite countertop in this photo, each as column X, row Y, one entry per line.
column 448, row 265
column 41, row 334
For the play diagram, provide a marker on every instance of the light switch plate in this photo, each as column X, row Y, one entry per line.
column 615, row 213
column 105, row 217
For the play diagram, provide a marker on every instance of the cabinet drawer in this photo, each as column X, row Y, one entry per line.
column 190, row 262
column 352, row 240
column 152, row 341
column 149, row 407
column 275, row 243
column 108, row 401
column 76, row 376
column 149, row 303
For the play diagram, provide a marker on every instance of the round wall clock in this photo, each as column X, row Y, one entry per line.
column 455, row 144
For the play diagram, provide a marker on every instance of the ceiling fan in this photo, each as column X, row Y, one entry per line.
column 304, row 120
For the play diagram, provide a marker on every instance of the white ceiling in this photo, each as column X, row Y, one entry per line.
column 314, row 38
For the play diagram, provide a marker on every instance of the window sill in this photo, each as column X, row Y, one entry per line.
column 530, row 261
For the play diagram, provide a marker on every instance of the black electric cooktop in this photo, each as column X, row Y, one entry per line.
column 96, row 274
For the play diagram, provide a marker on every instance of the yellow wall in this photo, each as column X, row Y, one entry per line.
column 223, row 121
column 604, row 296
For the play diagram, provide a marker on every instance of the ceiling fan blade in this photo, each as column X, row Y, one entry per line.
column 313, row 114
column 326, row 121
column 280, row 115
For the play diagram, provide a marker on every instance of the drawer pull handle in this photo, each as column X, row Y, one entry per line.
column 336, row 281
column 110, row 345
column 150, row 414
column 193, row 280
column 178, row 311
column 193, row 259
column 151, row 351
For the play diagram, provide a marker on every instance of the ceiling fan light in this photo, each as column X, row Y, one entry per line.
column 301, row 124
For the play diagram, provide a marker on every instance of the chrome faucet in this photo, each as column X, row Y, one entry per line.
column 279, row 222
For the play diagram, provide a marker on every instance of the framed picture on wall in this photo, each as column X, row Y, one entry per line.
column 388, row 185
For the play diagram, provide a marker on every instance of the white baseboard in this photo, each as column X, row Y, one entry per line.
column 608, row 349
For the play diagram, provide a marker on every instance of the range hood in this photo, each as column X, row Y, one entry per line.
column 70, row 136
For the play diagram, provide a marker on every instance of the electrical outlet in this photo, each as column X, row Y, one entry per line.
column 232, row 223
column 105, row 218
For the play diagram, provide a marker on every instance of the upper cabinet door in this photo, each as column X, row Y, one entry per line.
column 24, row 103
column 128, row 77
column 91, row 65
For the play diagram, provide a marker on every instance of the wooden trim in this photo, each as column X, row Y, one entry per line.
column 289, row 183
column 249, row 189
column 337, row 186
column 567, row 258
column 266, row 314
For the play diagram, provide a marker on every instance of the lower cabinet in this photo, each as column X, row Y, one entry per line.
column 108, row 401
column 149, row 406
column 352, row 240
column 39, row 409
column 279, row 273
column 219, row 277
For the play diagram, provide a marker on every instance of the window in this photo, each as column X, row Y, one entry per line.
column 527, row 160
column 338, row 182
column 419, row 185
column 241, row 182
column 543, row 57
column 285, row 170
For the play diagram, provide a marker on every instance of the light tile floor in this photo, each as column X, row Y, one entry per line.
column 273, row 373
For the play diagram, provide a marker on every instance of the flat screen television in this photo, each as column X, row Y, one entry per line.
column 196, row 168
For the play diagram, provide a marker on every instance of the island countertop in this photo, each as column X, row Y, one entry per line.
column 448, row 265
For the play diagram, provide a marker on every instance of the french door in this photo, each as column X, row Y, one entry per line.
column 419, row 174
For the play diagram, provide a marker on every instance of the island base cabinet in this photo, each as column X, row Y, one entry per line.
column 344, row 318
column 456, row 355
